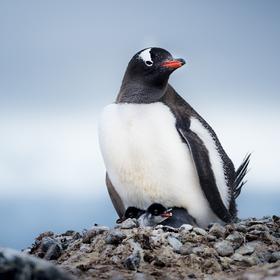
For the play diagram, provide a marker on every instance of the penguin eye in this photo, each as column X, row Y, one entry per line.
column 149, row 63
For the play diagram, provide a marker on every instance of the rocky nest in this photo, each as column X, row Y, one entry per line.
column 249, row 249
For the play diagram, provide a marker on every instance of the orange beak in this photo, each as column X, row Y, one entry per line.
column 167, row 214
column 173, row 64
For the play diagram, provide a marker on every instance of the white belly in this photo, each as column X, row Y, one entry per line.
column 147, row 161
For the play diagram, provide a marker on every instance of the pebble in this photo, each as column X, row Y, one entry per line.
column 248, row 261
column 275, row 256
column 236, row 239
column 91, row 233
column 245, row 250
column 115, row 237
column 217, row 230
column 224, row 248
column 186, row 227
column 51, row 249
column 241, row 228
column 133, row 261
column 200, row 231
column 174, row 243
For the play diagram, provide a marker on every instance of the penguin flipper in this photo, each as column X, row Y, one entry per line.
column 117, row 202
column 206, row 177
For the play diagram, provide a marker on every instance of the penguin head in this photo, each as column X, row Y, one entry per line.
column 157, row 213
column 152, row 66
column 133, row 212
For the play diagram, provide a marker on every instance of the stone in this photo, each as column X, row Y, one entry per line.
column 217, row 230
column 186, row 227
column 245, row 250
column 241, row 228
column 245, row 260
column 133, row 261
column 94, row 231
column 16, row 265
column 224, row 248
column 50, row 248
column 186, row 249
column 275, row 256
column 200, row 231
column 174, row 243
column 236, row 238
column 115, row 237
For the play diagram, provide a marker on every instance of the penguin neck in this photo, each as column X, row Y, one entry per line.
column 139, row 93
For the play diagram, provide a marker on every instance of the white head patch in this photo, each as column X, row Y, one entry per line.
column 146, row 57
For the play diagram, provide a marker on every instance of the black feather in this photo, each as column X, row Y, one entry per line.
column 239, row 176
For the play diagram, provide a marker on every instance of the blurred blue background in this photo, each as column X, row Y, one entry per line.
column 62, row 61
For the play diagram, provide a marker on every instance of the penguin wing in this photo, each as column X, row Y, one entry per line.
column 117, row 202
column 206, row 176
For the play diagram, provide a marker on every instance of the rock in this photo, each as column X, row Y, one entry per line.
column 236, row 239
column 50, row 248
column 200, row 231
column 19, row 266
column 174, row 243
column 275, row 256
column 217, row 230
column 245, row 250
column 186, row 227
column 186, row 249
column 91, row 233
column 241, row 228
column 245, row 260
column 115, row 237
column 133, row 261
column 129, row 223
column 169, row 253
column 224, row 248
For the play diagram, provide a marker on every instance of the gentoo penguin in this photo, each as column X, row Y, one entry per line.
column 158, row 214
column 158, row 149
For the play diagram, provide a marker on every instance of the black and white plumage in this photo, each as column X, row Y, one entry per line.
column 158, row 149
column 152, row 216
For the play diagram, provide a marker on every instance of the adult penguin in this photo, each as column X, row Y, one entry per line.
column 158, row 149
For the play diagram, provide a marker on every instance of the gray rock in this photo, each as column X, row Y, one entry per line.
column 245, row 250
column 241, row 228
column 174, row 243
column 211, row 237
column 186, row 227
column 245, row 260
column 186, row 249
column 115, row 237
column 51, row 249
column 236, row 238
column 200, row 231
column 133, row 261
column 94, row 231
column 19, row 266
column 217, row 230
column 224, row 248
column 128, row 224
column 275, row 256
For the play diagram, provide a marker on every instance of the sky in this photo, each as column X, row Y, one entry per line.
column 63, row 61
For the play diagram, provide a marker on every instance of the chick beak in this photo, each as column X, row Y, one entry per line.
column 167, row 213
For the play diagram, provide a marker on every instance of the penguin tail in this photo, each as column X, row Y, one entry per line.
column 240, row 173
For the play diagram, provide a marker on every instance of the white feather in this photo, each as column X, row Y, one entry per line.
column 215, row 158
column 147, row 161
column 146, row 55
